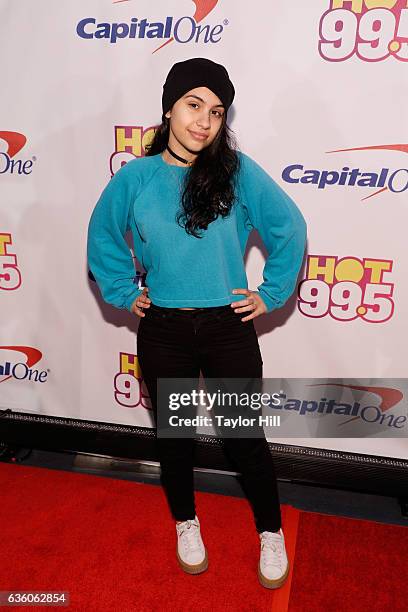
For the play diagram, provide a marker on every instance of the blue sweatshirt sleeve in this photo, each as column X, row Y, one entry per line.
column 109, row 257
column 282, row 228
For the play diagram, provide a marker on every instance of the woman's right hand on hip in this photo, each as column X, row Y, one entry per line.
column 141, row 302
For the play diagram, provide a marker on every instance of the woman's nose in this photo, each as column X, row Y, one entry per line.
column 204, row 121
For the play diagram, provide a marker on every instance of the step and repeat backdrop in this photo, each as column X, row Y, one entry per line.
column 321, row 91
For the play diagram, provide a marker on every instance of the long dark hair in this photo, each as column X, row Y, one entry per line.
column 210, row 183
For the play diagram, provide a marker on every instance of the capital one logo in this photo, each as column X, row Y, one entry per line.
column 13, row 366
column 386, row 179
column 11, row 144
column 181, row 29
column 371, row 413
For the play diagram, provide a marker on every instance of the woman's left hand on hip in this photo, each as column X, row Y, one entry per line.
column 252, row 303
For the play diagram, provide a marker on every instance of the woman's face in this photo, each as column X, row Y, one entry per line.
column 195, row 120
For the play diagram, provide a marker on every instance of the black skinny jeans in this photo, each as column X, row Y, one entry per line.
column 179, row 343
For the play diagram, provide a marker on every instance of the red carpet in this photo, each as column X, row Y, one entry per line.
column 111, row 544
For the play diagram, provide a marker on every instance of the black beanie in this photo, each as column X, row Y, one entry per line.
column 197, row 72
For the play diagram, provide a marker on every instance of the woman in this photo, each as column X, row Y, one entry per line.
column 191, row 203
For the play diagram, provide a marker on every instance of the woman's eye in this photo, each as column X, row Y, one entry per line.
column 220, row 115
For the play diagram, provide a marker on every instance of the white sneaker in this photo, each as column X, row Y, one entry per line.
column 273, row 568
column 191, row 552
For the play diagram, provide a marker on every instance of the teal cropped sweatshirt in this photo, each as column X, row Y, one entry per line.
column 182, row 270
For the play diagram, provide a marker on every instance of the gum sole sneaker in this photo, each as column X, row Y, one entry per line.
column 191, row 552
column 273, row 567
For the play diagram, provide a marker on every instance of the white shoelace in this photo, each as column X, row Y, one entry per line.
column 189, row 535
column 272, row 542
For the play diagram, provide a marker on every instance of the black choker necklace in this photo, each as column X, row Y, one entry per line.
column 185, row 161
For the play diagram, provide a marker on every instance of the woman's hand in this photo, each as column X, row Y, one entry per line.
column 142, row 301
column 254, row 303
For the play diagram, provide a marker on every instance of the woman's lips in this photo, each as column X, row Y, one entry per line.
column 198, row 136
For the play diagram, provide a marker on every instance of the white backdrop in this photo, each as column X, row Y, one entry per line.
column 321, row 90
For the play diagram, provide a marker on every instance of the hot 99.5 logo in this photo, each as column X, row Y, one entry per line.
column 373, row 30
column 347, row 289
column 10, row 276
